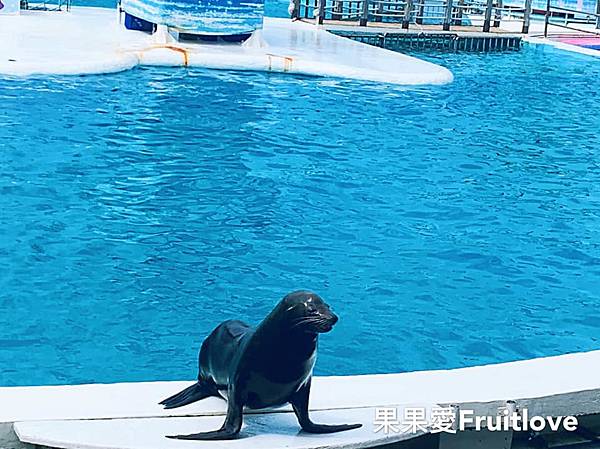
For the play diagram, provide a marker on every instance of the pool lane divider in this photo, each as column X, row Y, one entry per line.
column 104, row 416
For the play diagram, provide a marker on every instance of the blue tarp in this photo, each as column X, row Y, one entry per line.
column 221, row 17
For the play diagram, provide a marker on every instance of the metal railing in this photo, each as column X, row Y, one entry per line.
column 447, row 13
column 566, row 17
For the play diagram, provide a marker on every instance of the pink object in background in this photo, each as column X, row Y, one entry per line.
column 582, row 41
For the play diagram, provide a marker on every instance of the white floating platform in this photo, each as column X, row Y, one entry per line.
column 90, row 40
column 127, row 416
column 260, row 431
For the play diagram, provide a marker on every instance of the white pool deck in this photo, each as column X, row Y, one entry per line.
column 127, row 415
column 91, row 41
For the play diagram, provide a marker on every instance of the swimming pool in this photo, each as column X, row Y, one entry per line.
column 447, row 225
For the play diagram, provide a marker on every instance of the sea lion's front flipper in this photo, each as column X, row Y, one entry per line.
column 230, row 429
column 300, row 405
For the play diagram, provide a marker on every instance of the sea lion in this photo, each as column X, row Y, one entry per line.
column 264, row 367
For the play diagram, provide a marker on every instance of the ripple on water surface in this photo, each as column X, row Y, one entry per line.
column 449, row 225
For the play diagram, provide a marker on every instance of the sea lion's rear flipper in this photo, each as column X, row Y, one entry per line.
column 229, row 430
column 200, row 390
column 221, row 434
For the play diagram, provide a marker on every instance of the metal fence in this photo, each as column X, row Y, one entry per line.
column 568, row 18
column 447, row 13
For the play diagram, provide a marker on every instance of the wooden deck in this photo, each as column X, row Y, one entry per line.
column 394, row 37
column 382, row 27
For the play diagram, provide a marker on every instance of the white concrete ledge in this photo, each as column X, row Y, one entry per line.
column 562, row 385
column 536, row 378
column 90, row 40
column 260, row 431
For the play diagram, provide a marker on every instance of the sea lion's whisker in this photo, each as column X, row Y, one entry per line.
column 301, row 322
column 306, row 320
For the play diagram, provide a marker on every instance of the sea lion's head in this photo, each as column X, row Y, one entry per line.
column 306, row 311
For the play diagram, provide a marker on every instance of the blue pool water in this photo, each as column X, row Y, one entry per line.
column 448, row 225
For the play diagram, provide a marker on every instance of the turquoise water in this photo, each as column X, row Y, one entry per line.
column 447, row 225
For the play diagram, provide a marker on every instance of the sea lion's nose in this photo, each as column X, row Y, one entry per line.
column 334, row 319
